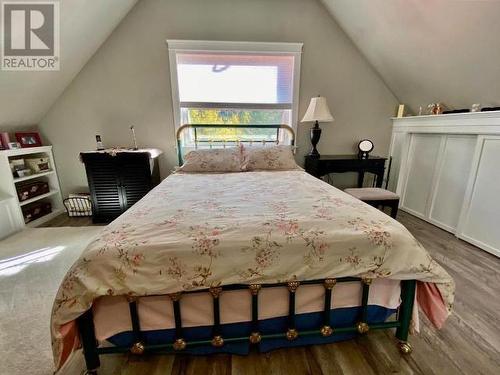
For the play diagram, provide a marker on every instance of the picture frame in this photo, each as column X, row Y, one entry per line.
column 28, row 139
column 4, row 140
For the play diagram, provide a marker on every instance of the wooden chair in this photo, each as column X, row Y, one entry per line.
column 378, row 197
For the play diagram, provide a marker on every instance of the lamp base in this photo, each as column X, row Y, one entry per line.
column 314, row 153
column 315, row 136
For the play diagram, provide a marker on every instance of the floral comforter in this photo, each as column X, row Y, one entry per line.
column 194, row 231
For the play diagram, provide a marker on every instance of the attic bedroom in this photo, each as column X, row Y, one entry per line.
column 249, row 187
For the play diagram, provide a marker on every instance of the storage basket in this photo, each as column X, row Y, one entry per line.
column 38, row 165
column 36, row 210
column 31, row 190
column 78, row 205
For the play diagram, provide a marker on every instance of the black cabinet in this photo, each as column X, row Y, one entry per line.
column 117, row 181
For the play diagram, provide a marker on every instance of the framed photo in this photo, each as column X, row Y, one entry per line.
column 29, row 139
column 4, row 140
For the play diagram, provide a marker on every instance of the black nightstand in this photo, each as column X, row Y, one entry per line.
column 118, row 180
column 325, row 164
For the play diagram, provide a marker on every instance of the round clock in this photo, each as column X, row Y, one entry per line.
column 365, row 146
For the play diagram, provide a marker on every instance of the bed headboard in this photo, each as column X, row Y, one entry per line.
column 194, row 136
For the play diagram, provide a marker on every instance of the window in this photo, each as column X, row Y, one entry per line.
column 234, row 83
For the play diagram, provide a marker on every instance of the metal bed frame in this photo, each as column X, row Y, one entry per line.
column 211, row 143
column 92, row 350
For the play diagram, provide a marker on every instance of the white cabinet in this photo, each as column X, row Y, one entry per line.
column 446, row 169
column 398, row 143
column 436, row 175
column 451, row 178
column 481, row 214
column 422, row 156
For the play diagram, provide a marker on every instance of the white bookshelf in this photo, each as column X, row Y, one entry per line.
column 13, row 221
column 33, row 176
column 38, row 198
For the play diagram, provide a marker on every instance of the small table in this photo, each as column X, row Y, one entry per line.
column 325, row 164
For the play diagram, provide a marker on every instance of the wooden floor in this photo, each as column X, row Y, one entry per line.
column 64, row 220
column 468, row 344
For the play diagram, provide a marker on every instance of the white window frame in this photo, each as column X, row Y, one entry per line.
column 181, row 46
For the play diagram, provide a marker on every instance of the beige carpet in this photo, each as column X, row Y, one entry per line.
column 32, row 265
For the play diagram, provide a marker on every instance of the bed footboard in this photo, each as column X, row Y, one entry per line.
column 402, row 323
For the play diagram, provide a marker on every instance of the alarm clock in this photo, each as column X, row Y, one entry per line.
column 365, row 146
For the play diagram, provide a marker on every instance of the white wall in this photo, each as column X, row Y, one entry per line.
column 127, row 81
column 444, row 51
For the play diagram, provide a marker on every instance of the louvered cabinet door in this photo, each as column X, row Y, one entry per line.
column 135, row 178
column 104, row 183
column 117, row 182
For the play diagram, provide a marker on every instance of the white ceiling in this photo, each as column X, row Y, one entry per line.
column 428, row 50
column 85, row 24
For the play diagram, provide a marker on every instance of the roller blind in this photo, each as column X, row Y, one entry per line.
column 235, row 80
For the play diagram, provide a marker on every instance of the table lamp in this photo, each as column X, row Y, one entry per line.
column 318, row 112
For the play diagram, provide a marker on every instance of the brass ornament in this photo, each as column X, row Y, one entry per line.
column 329, row 283
column 292, row 334
column 217, row 341
column 175, row 296
column 326, row 331
column 363, row 327
column 179, row 344
column 215, row 291
column 254, row 289
column 255, row 338
column 131, row 299
column 138, row 348
column 292, row 286
column 367, row 280
column 404, row 347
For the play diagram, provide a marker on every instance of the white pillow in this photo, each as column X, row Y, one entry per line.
column 213, row 160
column 279, row 157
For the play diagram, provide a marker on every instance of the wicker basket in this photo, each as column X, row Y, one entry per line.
column 78, row 205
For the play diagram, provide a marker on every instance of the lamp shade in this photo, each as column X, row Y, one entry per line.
column 318, row 111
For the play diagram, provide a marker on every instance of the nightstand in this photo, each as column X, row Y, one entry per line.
column 118, row 178
column 325, row 164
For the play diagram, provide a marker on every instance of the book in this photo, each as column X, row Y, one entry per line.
column 401, row 111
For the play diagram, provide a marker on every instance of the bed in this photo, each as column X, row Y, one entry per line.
column 223, row 262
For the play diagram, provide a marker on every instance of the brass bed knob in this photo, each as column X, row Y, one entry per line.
column 363, row 327
column 404, row 347
column 217, row 341
column 179, row 344
column 326, row 331
column 255, row 338
column 292, row 334
column 138, row 348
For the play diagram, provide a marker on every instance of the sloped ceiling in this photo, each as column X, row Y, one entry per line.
column 428, row 50
column 85, row 24
column 424, row 50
